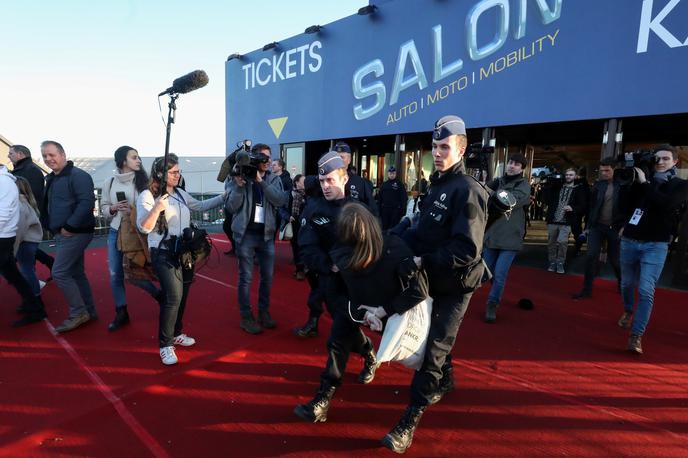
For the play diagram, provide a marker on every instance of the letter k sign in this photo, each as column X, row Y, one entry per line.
column 648, row 23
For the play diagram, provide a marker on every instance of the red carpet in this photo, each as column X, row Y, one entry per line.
column 548, row 382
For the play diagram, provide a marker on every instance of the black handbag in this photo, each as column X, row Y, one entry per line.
column 195, row 246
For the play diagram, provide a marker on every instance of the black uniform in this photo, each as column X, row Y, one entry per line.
column 393, row 282
column 449, row 239
column 393, row 199
column 362, row 191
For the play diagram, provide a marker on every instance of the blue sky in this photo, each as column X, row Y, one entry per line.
column 87, row 73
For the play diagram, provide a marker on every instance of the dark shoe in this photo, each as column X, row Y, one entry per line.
column 626, row 320
column 634, row 344
column 491, row 312
column 310, row 329
column 581, row 295
column 560, row 268
column 230, row 252
column 248, row 324
column 400, row 437
column 367, row 374
column 121, row 318
column 32, row 317
column 446, row 385
column 72, row 323
column 552, row 267
column 265, row 320
column 316, row 409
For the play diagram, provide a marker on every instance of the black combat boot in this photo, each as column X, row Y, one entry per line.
column 121, row 318
column 316, row 409
column 446, row 384
column 33, row 312
column 367, row 374
column 401, row 436
column 310, row 329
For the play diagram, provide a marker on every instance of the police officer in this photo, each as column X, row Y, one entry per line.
column 447, row 242
column 393, row 199
column 356, row 187
column 317, row 236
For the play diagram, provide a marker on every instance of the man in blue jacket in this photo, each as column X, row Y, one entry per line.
column 68, row 205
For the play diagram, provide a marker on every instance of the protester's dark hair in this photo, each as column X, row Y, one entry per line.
column 21, row 149
column 259, row 147
column 361, row 230
column 667, row 147
column 608, row 162
column 297, row 178
column 55, row 144
column 140, row 175
column 157, row 173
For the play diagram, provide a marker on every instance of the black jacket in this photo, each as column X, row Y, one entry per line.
column 449, row 233
column 69, row 201
column 392, row 194
column 576, row 201
column 599, row 190
column 393, row 282
column 660, row 205
column 25, row 168
column 361, row 190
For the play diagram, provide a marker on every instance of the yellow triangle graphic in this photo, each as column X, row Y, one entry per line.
column 277, row 125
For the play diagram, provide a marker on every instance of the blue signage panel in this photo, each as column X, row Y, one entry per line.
column 492, row 62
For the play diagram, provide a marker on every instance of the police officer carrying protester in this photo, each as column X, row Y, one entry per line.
column 447, row 242
column 356, row 187
column 393, row 198
column 317, row 236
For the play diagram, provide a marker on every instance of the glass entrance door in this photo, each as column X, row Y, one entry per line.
column 295, row 158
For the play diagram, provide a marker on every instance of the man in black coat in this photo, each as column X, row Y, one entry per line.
column 356, row 187
column 392, row 198
column 24, row 167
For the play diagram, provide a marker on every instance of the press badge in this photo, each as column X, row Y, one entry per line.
column 635, row 219
column 259, row 215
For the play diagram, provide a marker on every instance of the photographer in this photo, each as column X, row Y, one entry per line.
column 164, row 240
column 564, row 202
column 654, row 205
column 603, row 224
column 253, row 201
column 504, row 239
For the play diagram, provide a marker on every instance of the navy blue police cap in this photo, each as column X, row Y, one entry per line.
column 392, row 169
column 448, row 125
column 342, row 147
column 329, row 162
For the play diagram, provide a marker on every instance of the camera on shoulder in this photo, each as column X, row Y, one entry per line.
column 242, row 162
column 642, row 159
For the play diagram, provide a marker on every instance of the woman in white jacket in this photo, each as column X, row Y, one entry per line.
column 119, row 195
column 164, row 233
column 29, row 235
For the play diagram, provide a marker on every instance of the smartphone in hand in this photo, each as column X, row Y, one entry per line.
column 121, row 196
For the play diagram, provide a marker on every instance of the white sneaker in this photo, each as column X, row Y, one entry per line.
column 41, row 284
column 184, row 340
column 168, row 356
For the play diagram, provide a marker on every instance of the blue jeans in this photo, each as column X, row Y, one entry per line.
column 499, row 262
column 641, row 266
column 251, row 245
column 26, row 259
column 117, row 274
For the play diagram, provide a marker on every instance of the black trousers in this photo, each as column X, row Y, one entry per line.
column 296, row 253
column 346, row 337
column 8, row 269
column 390, row 217
column 596, row 236
column 175, row 283
column 447, row 315
column 316, row 296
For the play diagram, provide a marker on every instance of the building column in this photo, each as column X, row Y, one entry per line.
column 612, row 138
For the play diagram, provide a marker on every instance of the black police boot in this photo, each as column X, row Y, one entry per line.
column 316, row 409
column 401, row 436
column 121, row 318
column 34, row 312
column 310, row 329
column 446, row 384
column 367, row 374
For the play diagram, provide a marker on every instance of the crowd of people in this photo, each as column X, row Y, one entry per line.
column 364, row 257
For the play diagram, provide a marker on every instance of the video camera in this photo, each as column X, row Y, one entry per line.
column 242, row 162
column 643, row 159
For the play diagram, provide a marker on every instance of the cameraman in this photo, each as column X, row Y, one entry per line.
column 654, row 205
column 603, row 224
column 564, row 202
column 504, row 239
column 253, row 202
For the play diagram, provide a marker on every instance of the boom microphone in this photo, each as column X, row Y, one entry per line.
column 187, row 83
